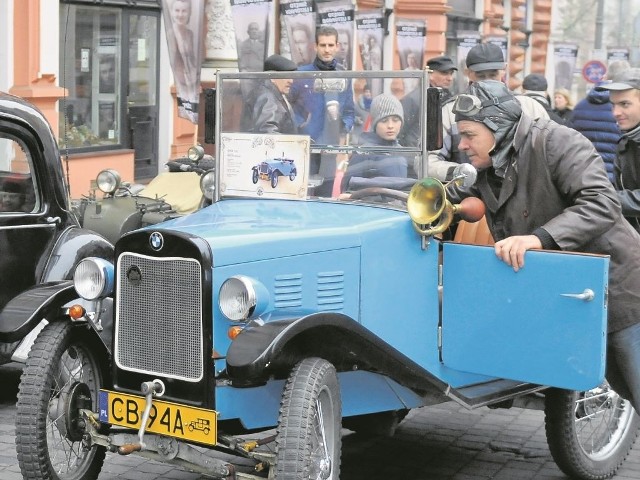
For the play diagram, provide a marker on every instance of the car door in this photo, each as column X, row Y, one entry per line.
column 545, row 324
column 28, row 221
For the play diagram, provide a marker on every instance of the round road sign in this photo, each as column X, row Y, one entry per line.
column 593, row 71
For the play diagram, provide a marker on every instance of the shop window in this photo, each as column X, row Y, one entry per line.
column 90, row 68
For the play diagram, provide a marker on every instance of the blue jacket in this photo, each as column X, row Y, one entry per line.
column 310, row 107
column 593, row 118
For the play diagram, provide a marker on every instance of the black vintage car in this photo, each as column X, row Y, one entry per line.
column 41, row 241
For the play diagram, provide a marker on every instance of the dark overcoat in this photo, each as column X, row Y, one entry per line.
column 556, row 181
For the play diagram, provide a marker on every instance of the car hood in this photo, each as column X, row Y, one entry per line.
column 280, row 228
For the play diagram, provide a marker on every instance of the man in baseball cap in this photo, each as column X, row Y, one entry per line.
column 624, row 95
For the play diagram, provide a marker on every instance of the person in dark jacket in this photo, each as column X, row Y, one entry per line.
column 593, row 118
column 271, row 111
column 311, row 106
column 442, row 70
column 544, row 187
column 625, row 98
column 387, row 117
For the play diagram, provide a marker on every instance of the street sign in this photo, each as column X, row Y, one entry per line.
column 593, row 71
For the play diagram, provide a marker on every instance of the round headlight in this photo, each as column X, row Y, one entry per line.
column 108, row 180
column 208, row 184
column 195, row 153
column 237, row 298
column 93, row 278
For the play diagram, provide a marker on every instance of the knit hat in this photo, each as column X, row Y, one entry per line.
column 485, row 56
column 535, row 82
column 278, row 63
column 384, row 106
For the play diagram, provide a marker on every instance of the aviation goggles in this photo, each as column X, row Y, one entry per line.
column 470, row 105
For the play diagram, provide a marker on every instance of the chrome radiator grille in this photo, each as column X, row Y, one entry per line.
column 159, row 316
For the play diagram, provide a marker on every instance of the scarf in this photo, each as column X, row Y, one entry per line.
column 320, row 65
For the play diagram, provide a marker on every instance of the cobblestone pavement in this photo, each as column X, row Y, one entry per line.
column 445, row 442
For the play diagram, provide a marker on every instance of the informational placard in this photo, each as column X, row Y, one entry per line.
column 264, row 166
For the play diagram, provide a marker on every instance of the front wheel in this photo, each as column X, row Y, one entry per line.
column 589, row 433
column 63, row 373
column 254, row 177
column 308, row 438
column 274, row 179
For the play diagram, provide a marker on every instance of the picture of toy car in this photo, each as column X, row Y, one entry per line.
column 274, row 168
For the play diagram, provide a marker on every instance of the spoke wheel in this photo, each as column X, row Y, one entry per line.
column 63, row 373
column 254, row 177
column 308, row 439
column 274, row 179
column 589, row 433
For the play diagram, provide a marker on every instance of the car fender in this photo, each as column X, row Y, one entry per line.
column 73, row 245
column 273, row 348
column 46, row 301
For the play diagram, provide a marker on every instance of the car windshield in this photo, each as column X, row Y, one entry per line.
column 319, row 134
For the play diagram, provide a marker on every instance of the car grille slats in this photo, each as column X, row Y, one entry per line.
column 159, row 316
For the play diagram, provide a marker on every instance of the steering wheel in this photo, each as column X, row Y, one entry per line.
column 380, row 191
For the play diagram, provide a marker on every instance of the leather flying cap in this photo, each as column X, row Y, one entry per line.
column 443, row 63
column 494, row 105
column 485, row 56
column 625, row 80
column 535, row 82
column 278, row 63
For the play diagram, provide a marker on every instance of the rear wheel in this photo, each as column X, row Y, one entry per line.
column 589, row 433
column 308, row 439
column 292, row 175
column 63, row 373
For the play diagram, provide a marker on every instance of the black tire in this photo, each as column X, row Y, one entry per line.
column 63, row 356
column 274, row 179
column 589, row 433
column 254, row 177
column 292, row 175
column 310, row 401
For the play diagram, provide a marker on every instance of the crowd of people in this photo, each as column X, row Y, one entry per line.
column 552, row 176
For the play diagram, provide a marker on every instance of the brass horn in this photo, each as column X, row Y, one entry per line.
column 428, row 201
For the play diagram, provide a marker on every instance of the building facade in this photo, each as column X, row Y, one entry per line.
column 100, row 72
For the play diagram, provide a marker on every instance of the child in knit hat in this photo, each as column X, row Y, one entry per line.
column 387, row 116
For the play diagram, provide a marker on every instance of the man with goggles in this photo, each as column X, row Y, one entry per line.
column 545, row 187
column 484, row 62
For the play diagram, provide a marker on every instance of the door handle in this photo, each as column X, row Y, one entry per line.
column 587, row 295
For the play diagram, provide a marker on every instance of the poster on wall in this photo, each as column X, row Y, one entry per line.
column 370, row 33
column 617, row 54
column 299, row 20
column 564, row 57
column 466, row 40
column 184, row 25
column 264, row 166
column 340, row 15
column 411, row 35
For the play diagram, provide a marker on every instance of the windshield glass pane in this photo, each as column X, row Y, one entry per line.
column 319, row 134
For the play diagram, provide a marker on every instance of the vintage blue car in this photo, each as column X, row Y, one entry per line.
column 258, row 328
column 273, row 169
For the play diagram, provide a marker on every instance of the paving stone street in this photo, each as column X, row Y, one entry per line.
column 445, row 442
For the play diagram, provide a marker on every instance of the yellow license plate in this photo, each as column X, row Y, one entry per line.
column 166, row 418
